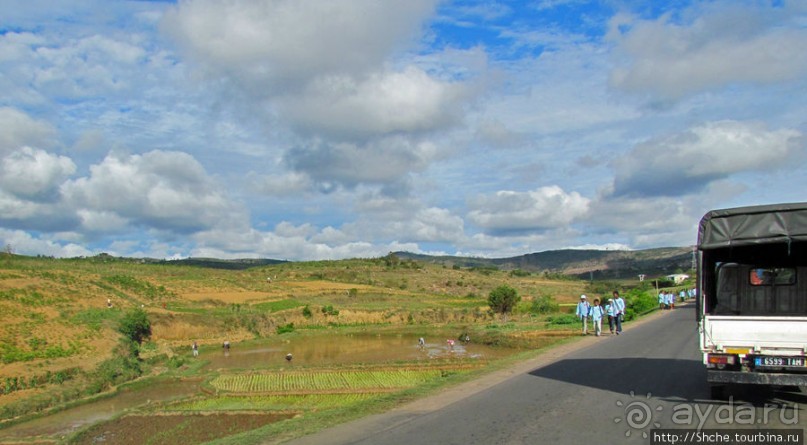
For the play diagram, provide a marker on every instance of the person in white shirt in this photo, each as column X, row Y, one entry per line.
column 596, row 313
column 610, row 311
column 582, row 312
column 619, row 306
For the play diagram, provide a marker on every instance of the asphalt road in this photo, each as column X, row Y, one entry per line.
column 616, row 389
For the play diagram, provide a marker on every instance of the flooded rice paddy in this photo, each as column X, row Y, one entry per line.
column 306, row 352
column 345, row 349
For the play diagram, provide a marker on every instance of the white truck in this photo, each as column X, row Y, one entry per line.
column 752, row 295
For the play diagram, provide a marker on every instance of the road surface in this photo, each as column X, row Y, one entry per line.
column 618, row 388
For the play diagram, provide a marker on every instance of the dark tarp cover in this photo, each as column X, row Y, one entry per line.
column 743, row 226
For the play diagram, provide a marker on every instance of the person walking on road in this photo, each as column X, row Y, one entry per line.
column 619, row 308
column 610, row 311
column 582, row 312
column 596, row 313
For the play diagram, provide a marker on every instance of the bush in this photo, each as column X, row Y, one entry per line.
column 285, row 328
column 175, row 362
column 135, row 325
column 544, row 305
column 503, row 299
column 638, row 303
column 307, row 312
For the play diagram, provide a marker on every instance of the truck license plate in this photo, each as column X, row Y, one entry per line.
column 779, row 361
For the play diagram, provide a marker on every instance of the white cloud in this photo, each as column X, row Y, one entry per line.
column 537, row 210
column 686, row 162
column 34, row 174
column 382, row 103
column 717, row 44
column 163, row 190
column 280, row 43
column 21, row 242
column 280, row 185
column 385, row 162
column 86, row 67
column 19, row 129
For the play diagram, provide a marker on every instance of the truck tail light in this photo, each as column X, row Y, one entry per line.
column 722, row 359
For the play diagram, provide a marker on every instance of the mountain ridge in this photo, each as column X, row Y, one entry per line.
column 600, row 264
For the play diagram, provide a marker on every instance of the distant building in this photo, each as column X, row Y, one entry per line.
column 677, row 278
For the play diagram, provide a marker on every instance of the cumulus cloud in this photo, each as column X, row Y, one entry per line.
column 20, row 130
column 385, row 162
column 162, row 190
column 22, row 242
column 409, row 101
column 724, row 43
column 338, row 75
column 537, row 210
column 686, row 162
column 644, row 223
column 34, row 174
column 278, row 44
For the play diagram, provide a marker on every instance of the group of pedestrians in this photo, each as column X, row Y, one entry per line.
column 613, row 308
column 666, row 299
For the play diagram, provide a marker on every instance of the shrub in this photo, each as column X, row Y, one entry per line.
column 503, row 299
column 544, row 305
column 329, row 310
column 638, row 302
column 135, row 326
column 285, row 328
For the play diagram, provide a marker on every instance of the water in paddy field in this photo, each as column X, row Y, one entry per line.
column 328, row 349
column 70, row 420
column 340, row 349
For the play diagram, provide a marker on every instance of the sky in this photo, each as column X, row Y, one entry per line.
column 330, row 129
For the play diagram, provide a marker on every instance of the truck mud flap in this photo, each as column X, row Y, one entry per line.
column 756, row 378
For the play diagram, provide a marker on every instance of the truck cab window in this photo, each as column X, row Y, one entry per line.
column 772, row 276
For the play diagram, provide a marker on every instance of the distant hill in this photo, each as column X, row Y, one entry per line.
column 597, row 264
column 214, row 263
column 594, row 264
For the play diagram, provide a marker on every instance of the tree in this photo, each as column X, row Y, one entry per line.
column 503, row 299
column 135, row 325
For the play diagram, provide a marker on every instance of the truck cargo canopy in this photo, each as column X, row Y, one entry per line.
column 745, row 226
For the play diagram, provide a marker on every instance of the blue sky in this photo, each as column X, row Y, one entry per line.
column 303, row 129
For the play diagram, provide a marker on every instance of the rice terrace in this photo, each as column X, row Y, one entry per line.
column 99, row 349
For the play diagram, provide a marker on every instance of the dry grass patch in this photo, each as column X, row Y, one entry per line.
column 227, row 297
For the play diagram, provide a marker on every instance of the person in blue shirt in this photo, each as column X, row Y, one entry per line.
column 596, row 313
column 610, row 311
column 582, row 312
column 619, row 306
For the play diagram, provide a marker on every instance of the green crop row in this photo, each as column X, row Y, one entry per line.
column 11, row 384
column 302, row 381
column 272, row 402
